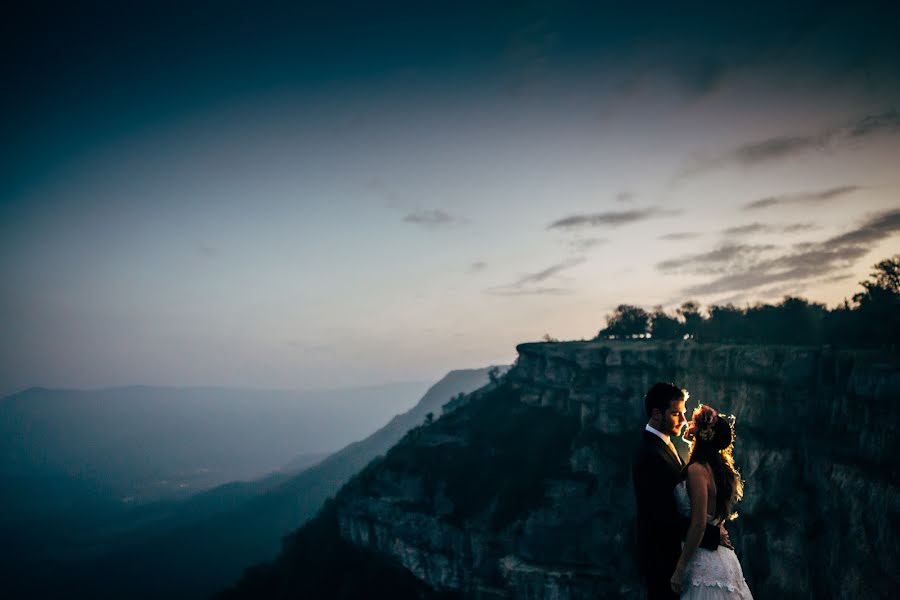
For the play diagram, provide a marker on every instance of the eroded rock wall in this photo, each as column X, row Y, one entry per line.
column 816, row 444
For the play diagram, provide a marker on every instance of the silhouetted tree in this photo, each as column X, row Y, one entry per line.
column 873, row 319
column 725, row 324
column 886, row 276
column 799, row 321
column 839, row 325
column 627, row 321
column 691, row 317
column 878, row 312
column 664, row 327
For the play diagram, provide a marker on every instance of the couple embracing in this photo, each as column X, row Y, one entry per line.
column 683, row 548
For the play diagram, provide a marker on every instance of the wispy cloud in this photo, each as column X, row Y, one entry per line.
column 795, row 227
column 747, row 229
column 549, row 271
column 873, row 230
column 804, row 262
column 610, row 218
column 527, row 284
column 585, row 244
column 786, row 146
column 475, row 267
column 773, row 293
column 680, row 236
column 718, row 260
column 776, row 148
column 433, row 218
column 838, row 277
column 802, row 198
column 533, row 291
column 752, row 228
column 625, row 197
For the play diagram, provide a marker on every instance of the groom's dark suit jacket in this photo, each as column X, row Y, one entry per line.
column 661, row 528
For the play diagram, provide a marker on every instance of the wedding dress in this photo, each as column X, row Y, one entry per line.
column 711, row 575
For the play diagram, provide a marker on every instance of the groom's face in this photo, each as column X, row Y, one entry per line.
column 673, row 419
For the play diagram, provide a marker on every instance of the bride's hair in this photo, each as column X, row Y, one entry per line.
column 712, row 443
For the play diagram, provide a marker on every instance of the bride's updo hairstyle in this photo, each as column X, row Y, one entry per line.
column 712, row 442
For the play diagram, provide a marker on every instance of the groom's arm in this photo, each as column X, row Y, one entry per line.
column 654, row 490
column 654, row 493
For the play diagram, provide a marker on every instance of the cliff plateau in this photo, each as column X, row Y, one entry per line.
column 522, row 489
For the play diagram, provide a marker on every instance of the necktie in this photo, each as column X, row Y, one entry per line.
column 675, row 452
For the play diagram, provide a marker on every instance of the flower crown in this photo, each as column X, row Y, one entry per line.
column 703, row 422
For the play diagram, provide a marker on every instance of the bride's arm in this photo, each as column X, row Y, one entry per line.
column 697, row 485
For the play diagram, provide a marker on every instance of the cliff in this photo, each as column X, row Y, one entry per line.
column 523, row 490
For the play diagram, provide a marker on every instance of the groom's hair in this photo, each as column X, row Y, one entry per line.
column 660, row 396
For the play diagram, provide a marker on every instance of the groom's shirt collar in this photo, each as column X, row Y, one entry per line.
column 658, row 434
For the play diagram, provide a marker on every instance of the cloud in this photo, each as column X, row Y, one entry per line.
column 525, row 285
column 432, row 218
column 717, row 260
column 799, row 227
column 583, row 245
column 771, row 294
column 887, row 122
column 624, row 197
column 874, row 230
column 751, row 228
column 794, row 267
column 549, row 271
column 610, row 218
column 477, row 266
column 507, row 291
column 838, row 277
column 802, row 198
column 745, row 229
column 806, row 261
column 680, row 236
column 776, row 148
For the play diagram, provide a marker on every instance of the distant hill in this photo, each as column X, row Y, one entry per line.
column 60, row 449
column 191, row 548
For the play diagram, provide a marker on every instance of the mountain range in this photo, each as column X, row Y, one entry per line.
column 189, row 547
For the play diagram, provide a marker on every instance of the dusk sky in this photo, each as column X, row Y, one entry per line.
column 281, row 195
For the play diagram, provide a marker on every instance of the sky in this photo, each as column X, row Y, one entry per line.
column 321, row 195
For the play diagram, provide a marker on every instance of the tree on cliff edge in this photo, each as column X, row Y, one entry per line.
column 664, row 327
column 879, row 303
column 872, row 320
column 627, row 321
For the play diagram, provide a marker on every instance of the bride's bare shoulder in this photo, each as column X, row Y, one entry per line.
column 699, row 470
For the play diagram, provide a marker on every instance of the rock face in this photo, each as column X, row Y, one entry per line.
column 543, row 508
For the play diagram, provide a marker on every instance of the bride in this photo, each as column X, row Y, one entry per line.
column 708, row 495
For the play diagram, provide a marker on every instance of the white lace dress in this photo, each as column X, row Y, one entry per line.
column 711, row 575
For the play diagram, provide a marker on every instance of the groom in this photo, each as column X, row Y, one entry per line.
column 656, row 470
